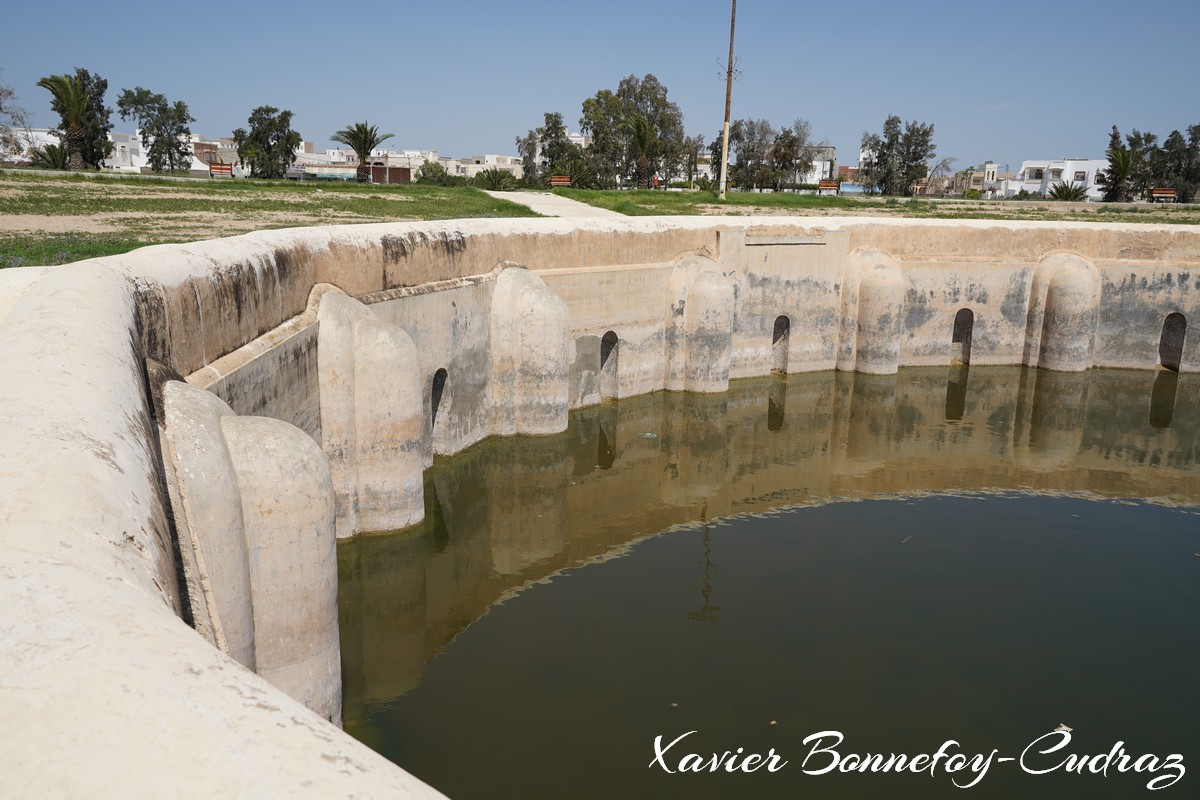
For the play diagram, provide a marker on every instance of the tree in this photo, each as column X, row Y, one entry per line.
column 1114, row 139
column 1138, row 164
column 14, row 123
column 785, row 152
column 894, row 161
column 643, row 141
column 79, row 102
column 751, row 140
column 1117, row 177
column 1181, row 163
column 163, row 126
column 71, row 101
column 557, row 149
column 1148, row 163
column 547, row 150
column 601, row 119
column 612, row 152
column 362, row 138
column 693, row 146
column 269, row 147
column 648, row 97
column 792, row 154
column 942, row 169
column 527, row 148
column 434, row 173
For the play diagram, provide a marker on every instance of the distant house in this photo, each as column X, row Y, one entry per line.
column 824, row 165
column 987, row 179
column 1037, row 177
column 471, row 166
column 28, row 140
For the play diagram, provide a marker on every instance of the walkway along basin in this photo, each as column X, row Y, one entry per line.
column 373, row 348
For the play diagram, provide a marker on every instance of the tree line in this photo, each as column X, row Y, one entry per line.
column 761, row 157
column 637, row 134
column 893, row 161
column 267, row 146
column 1138, row 163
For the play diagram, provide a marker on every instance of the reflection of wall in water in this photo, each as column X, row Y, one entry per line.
column 512, row 511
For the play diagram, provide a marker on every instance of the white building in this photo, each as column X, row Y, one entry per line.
column 1037, row 177
column 127, row 154
column 30, row 139
column 824, row 165
column 471, row 166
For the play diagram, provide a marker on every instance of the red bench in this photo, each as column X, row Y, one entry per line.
column 829, row 186
column 560, row 180
column 1162, row 195
column 220, row 170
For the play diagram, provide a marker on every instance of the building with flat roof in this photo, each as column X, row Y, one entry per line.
column 1037, row 177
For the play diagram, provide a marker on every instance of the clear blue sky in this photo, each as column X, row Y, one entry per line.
column 1003, row 81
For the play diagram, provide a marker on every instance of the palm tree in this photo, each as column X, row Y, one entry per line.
column 73, row 100
column 1071, row 192
column 49, row 156
column 1117, row 177
column 495, row 179
column 362, row 138
column 642, row 140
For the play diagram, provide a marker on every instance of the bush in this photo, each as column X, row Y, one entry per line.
column 432, row 172
column 49, row 156
column 1070, row 192
column 495, row 179
column 971, row 194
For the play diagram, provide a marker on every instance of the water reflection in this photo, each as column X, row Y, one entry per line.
column 776, row 402
column 1162, row 401
column 510, row 512
column 956, row 392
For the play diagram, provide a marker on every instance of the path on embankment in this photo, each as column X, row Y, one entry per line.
column 551, row 205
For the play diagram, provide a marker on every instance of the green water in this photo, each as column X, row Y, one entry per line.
column 907, row 560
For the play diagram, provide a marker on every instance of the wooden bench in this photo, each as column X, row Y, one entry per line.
column 560, row 180
column 220, row 170
column 1162, row 195
column 829, row 186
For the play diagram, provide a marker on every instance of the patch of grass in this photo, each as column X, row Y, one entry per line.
column 145, row 210
column 639, row 203
column 343, row 202
column 644, row 202
column 23, row 250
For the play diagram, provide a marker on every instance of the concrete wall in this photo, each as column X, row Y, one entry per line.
column 112, row 564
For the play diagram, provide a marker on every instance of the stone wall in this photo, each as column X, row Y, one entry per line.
column 377, row 347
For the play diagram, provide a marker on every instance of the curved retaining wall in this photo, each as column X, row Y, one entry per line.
column 141, row 510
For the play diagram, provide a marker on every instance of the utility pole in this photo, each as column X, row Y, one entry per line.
column 728, row 96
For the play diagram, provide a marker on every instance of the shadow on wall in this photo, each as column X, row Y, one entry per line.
column 610, row 352
column 1170, row 344
column 964, row 324
column 779, row 344
column 435, row 397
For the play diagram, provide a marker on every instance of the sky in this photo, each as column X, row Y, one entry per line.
column 1006, row 82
